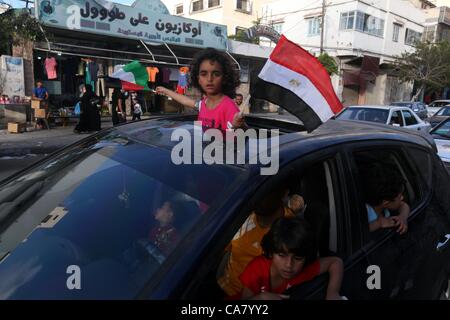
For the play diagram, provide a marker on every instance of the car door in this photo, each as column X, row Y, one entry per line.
column 396, row 119
column 410, row 120
column 409, row 266
column 341, row 234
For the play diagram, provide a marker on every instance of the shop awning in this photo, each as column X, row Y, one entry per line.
column 84, row 44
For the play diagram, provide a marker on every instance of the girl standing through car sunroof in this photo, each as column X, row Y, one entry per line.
column 213, row 74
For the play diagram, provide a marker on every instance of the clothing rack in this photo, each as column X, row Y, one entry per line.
column 153, row 56
column 108, row 58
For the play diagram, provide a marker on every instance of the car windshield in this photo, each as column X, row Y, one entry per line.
column 443, row 112
column 438, row 104
column 364, row 114
column 443, row 130
column 112, row 207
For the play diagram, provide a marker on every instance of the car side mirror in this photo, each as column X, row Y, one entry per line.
column 396, row 125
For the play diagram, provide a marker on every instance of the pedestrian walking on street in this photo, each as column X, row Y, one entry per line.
column 89, row 117
column 115, row 106
column 137, row 110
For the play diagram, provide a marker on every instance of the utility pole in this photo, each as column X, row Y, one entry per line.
column 322, row 23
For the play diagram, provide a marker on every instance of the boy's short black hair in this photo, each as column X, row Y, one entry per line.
column 291, row 235
column 381, row 183
column 272, row 201
column 230, row 75
column 239, row 95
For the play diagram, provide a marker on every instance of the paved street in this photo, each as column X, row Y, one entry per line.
column 17, row 151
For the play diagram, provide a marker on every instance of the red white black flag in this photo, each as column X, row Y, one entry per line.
column 295, row 80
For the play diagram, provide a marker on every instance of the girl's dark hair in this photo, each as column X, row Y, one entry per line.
column 230, row 75
column 291, row 235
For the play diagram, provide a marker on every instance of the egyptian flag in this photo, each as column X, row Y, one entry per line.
column 295, row 80
column 134, row 76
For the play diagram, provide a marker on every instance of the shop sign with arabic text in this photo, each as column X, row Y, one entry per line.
column 140, row 23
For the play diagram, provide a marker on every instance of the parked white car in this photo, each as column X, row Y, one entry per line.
column 441, row 135
column 395, row 116
column 436, row 105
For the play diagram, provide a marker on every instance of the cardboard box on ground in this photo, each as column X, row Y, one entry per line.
column 17, row 127
column 40, row 113
column 38, row 104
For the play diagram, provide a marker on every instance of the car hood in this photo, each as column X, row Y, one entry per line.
column 443, row 147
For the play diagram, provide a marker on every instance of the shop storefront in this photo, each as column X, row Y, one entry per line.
column 90, row 39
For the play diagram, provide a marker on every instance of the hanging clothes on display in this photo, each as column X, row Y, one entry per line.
column 69, row 70
column 81, row 68
column 50, row 67
column 101, row 90
column 88, row 75
column 93, row 70
column 152, row 71
column 165, row 75
column 173, row 74
column 182, row 80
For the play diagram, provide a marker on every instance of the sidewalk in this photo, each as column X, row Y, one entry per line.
column 41, row 141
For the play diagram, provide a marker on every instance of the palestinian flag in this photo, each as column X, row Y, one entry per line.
column 134, row 76
column 295, row 80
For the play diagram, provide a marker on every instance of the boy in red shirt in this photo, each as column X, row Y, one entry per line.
column 290, row 258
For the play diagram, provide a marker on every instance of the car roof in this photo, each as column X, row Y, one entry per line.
column 381, row 107
column 330, row 133
column 410, row 102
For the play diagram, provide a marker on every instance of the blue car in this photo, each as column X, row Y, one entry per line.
column 86, row 222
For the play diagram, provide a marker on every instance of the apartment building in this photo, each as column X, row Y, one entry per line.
column 235, row 14
column 437, row 24
column 363, row 36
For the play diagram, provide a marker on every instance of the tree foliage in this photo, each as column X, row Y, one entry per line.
column 329, row 63
column 428, row 66
column 17, row 26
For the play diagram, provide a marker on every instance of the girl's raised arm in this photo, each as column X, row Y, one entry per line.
column 187, row 102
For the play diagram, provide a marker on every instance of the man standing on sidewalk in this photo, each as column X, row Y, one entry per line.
column 40, row 92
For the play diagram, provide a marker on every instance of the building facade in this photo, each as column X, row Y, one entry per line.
column 363, row 37
column 237, row 15
column 437, row 24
